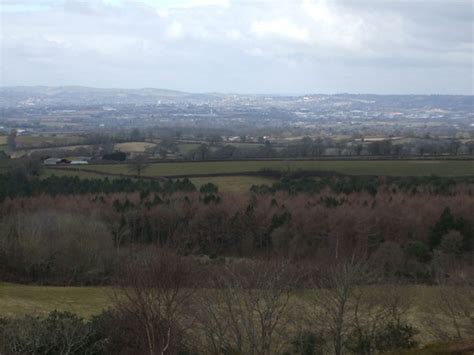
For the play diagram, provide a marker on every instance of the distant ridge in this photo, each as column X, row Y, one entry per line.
column 61, row 96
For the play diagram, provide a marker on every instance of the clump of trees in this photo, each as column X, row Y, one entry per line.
column 14, row 185
column 409, row 235
column 46, row 246
column 316, row 182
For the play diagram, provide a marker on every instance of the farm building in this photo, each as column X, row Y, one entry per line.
column 51, row 161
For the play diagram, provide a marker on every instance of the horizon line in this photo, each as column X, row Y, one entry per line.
column 230, row 92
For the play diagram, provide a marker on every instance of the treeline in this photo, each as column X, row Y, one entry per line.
column 313, row 148
column 167, row 304
column 311, row 182
column 84, row 240
column 15, row 184
column 19, row 185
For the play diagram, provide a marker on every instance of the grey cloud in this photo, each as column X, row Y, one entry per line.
column 260, row 46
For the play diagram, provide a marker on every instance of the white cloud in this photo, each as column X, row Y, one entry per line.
column 175, row 30
column 279, row 28
column 212, row 45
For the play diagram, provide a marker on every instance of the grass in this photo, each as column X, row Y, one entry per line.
column 185, row 148
column 460, row 347
column 231, row 184
column 3, row 140
column 382, row 167
column 244, row 145
column 134, row 147
column 48, row 140
column 18, row 300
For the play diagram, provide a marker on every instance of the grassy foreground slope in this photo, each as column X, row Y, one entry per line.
column 350, row 167
column 19, row 300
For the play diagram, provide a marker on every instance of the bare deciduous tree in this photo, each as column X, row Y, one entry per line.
column 247, row 310
column 454, row 302
column 337, row 300
column 155, row 292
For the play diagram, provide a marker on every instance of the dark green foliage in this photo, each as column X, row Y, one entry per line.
column 445, row 223
column 210, row 198
column 360, row 342
column 209, row 188
column 448, row 222
column 391, row 337
column 123, row 206
column 280, row 219
column 13, row 186
column 418, row 250
column 115, row 156
column 308, row 343
column 395, row 337
column 331, row 202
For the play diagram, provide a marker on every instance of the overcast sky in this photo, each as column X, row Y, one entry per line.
column 242, row 46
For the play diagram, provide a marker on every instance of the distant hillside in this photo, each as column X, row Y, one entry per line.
column 79, row 95
column 24, row 96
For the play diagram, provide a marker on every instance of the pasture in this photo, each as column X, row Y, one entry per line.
column 232, row 184
column 185, row 148
column 36, row 141
column 18, row 299
column 134, row 147
column 349, row 167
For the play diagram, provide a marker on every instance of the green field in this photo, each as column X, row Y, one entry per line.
column 185, row 148
column 225, row 183
column 244, row 145
column 17, row 299
column 21, row 299
column 48, row 140
column 354, row 167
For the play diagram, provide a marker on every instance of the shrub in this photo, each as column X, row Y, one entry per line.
column 308, row 343
column 209, row 188
column 58, row 333
column 396, row 336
